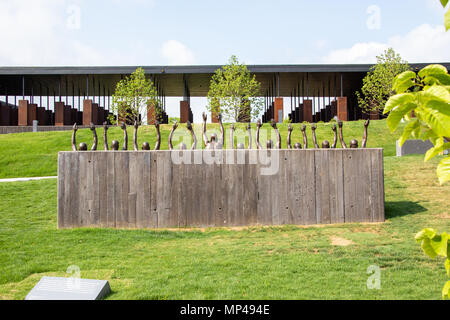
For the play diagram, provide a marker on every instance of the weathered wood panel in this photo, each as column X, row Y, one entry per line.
column 155, row 189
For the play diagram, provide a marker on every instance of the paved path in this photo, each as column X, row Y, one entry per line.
column 25, row 179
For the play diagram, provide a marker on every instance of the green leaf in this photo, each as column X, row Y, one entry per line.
column 439, row 93
column 398, row 113
column 428, row 248
column 439, row 244
column 443, row 170
column 447, row 266
column 444, row 3
column 436, row 150
column 427, row 233
column 446, row 291
column 436, row 115
column 447, row 20
column 398, row 100
column 432, row 69
column 404, row 81
column 410, row 127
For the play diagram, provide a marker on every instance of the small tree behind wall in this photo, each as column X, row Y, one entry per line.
column 132, row 97
column 377, row 84
column 235, row 93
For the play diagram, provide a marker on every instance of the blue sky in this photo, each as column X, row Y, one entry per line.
column 156, row 32
column 174, row 32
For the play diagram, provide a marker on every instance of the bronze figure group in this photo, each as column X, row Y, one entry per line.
column 215, row 143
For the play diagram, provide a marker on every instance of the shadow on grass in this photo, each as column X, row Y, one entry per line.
column 396, row 209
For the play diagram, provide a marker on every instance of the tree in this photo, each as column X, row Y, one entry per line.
column 377, row 84
column 427, row 94
column 132, row 96
column 235, row 92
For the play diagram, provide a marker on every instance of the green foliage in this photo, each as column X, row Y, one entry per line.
column 434, row 244
column 377, row 85
column 174, row 119
column 427, row 93
column 235, row 92
column 132, row 96
column 447, row 15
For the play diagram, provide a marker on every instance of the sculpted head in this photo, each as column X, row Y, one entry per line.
column 182, row 146
column 240, row 146
column 269, row 144
column 214, row 137
column 326, row 144
column 354, row 144
column 297, row 146
column 115, row 145
column 146, row 146
column 82, row 147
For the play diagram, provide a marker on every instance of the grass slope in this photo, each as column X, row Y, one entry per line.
column 35, row 154
column 250, row 263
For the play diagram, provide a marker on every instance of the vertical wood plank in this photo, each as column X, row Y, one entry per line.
column 61, row 179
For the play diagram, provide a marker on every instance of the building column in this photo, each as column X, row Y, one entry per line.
column 278, row 106
column 27, row 113
column 307, row 111
column 342, row 111
column 60, row 114
column 184, row 112
column 88, row 112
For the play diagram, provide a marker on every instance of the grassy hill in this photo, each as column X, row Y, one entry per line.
column 35, row 154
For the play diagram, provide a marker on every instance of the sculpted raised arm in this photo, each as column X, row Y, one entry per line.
column 74, row 133
column 333, row 146
column 158, row 136
column 105, row 136
column 364, row 140
column 289, row 136
column 232, row 136
column 249, row 129
column 305, row 138
column 258, row 126
column 135, row 143
column 222, row 131
column 313, row 129
column 194, row 138
column 123, row 126
column 274, row 126
column 94, row 133
column 341, row 136
column 174, row 127
column 205, row 137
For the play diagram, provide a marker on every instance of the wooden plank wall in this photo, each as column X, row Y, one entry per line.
column 146, row 189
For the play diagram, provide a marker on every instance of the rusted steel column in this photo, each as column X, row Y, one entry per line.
column 342, row 111
column 184, row 112
column 307, row 111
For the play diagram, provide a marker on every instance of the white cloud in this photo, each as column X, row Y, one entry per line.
column 424, row 43
column 36, row 33
column 176, row 53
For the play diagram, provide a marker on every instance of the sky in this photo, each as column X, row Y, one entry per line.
column 199, row 32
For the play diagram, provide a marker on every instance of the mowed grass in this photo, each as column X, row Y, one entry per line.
column 288, row 262
column 36, row 154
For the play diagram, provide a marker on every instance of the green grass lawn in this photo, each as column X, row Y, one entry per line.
column 286, row 262
column 35, row 154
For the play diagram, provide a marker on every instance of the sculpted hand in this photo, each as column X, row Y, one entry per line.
column 189, row 125
column 304, row 128
column 258, row 124
column 205, row 117
column 136, row 124
column 334, row 127
column 290, row 128
column 313, row 127
column 123, row 126
column 75, row 127
column 105, row 126
column 91, row 126
column 340, row 124
column 175, row 125
column 273, row 124
column 157, row 124
column 366, row 124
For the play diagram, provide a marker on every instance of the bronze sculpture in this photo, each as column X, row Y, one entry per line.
column 305, row 139
column 105, row 136
column 274, row 126
column 313, row 129
column 123, row 126
column 213, row 143
column 158, row 138
column 83, row 146
column 333, row 146
column 115, row 145
column 353, row 142
column 182, row 146
column 194, row 138
column 232, row 136
column 249, row 130
column 289, row 136
column 297, row 145
column 364, row 141
column 258, row 126
column 136, row 126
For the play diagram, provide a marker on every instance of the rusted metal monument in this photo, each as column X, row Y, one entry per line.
column 234, row 187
